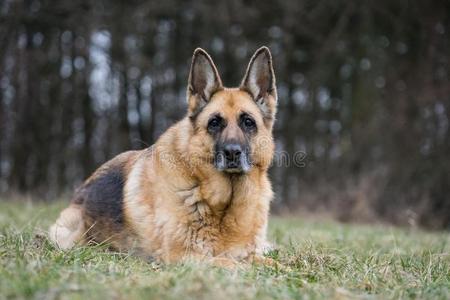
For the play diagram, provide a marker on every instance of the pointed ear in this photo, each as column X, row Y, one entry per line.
column 204, row 81
column 259, row 81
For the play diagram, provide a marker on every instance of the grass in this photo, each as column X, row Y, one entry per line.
column 326, row 260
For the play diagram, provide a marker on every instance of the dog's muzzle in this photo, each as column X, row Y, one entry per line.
column 232, row 158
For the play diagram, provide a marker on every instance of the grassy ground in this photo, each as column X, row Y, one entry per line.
column 326, row 260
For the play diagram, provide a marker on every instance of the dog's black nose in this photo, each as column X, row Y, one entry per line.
column 232, row 157
column 233, row 153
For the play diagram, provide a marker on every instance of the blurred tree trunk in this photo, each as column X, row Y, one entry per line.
column 21, row 150
column 153, row 114
column 141, row 125
column 123, row 124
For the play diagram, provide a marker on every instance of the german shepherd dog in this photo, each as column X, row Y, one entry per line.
column 201, row 191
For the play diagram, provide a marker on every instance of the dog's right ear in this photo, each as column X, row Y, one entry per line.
column 204, row 81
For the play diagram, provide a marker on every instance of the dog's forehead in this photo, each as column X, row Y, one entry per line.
column 232, row 101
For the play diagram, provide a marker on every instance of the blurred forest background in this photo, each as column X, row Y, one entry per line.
column 364, row 91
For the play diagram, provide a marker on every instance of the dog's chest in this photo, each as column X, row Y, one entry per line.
column 216, row 233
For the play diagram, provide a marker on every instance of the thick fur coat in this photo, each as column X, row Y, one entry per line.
column 177, row 199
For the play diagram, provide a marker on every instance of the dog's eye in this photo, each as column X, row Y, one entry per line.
column 215, row 123
column 249, row 122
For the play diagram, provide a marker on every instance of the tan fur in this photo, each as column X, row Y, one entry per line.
column 178, row 206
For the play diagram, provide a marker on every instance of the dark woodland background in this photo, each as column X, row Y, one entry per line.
column 364, row 91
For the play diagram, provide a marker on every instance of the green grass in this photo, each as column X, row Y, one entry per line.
column 325, row 260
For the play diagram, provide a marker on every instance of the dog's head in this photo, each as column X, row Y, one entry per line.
column 233, row 126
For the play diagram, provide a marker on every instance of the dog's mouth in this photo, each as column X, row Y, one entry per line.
column 239, row 163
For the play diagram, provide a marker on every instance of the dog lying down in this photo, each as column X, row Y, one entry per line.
column 201, row 191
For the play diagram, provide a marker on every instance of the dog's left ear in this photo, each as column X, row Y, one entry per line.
column 259, row 81
column 204, row 81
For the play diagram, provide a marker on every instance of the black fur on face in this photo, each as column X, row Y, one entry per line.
column 216, row 124
column 232, row 147
column 247, row 124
